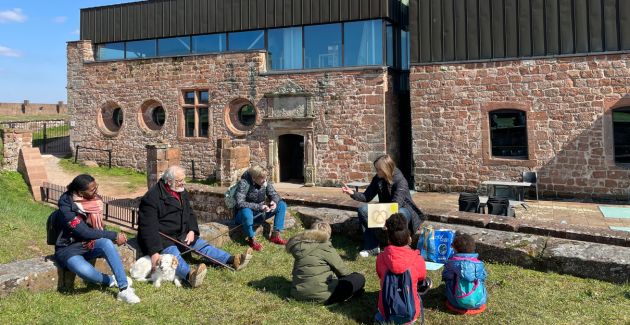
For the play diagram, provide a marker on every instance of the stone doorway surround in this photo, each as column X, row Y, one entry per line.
column 290, row 111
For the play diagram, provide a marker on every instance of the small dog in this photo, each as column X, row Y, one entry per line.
column 164, row 270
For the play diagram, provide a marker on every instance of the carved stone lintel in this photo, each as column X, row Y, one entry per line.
column 288, row 87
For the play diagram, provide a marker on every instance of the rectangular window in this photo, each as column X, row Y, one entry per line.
column 209, row 43
column 363, row 43
column 404, row 49
column 203, row 97
column 111, row 51
column 322, row 46
column 252, row 40
column 174, row 46
column 390, row 46
column 140, row 49
column 621, row 135
column 285, row 48
column 190, row 122
column 508, row 134
column 203, row 122
column 189, row 98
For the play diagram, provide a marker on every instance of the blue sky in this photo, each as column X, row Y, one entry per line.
column 33, row 36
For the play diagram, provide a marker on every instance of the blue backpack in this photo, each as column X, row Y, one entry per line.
column 467, row 294
column 398, row 298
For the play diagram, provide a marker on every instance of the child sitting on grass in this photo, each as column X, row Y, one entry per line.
column 464, row 275
column 392, row 266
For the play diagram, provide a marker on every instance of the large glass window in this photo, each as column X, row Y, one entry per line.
column 404, row 49
column 190, row 122
column 196, row 114
column 508, row 134
column 141, row 49
column 363, row 43
column 390, row 46
column 174, row 46
column 203, row 122
column 254, row 40
column 285, row 48
column 322, row 46
column 621, row 134
column 209, row 43
column 111, row 51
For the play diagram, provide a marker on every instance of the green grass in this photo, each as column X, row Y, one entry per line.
column 116, row 174
column 51, row 134
column 260, row 294
column 24, row 118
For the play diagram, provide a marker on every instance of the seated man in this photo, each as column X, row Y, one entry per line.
column 251, row 192
column 166, row 209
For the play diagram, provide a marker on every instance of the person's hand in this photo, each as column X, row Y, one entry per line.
column 265, row 208
column 190, row 237
column 121, row 239
column 272, row 205
column 154, row 258
column 346, row 190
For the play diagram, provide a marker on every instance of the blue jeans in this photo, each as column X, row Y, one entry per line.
column 103, row 247
column 183, row 268
column 369, row 234
column 246, row 218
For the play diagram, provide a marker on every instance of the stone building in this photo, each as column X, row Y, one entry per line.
column 313, row 89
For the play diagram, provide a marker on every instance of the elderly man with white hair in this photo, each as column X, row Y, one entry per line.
column 166, row 209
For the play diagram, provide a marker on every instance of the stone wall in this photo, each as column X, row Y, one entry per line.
column 31, row 166
column 32, row 109
column 567, row 102
column 12, row 141
column 160, row 157
column 232, row 162
column 347, row 104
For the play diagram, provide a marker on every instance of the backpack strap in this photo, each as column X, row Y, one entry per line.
column 464, row 295
column 460, row 258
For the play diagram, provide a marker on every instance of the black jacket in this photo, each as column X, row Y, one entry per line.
column 74, row 232
column 397, row 192
column 160, row 211
column 254, row 197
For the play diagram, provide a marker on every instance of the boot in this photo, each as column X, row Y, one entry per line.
column 196, row 277
column 276, row 239
column 241, row 260
column 253, row 243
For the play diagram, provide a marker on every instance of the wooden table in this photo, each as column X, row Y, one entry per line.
column 522, row 186
column 358, row 184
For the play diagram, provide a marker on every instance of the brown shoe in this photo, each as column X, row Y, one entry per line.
column 241, row 260
column 196, row 277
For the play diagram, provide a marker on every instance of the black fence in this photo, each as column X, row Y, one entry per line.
column 121, row 211
column 50, row 136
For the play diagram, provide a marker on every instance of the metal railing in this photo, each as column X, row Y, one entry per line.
column 76, row 154
column 48, row 135
column 122, row 211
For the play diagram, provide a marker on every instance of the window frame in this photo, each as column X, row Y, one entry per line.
column 625, row 109
column 492, row 145
column 197, row 106
column 531, row 121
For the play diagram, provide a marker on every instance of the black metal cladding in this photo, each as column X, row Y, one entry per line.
column 171, row 18
column 466, row 30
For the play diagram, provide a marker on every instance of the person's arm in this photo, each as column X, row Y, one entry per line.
column 272, row 194
column 336, row 263
column 400, row 191
column 448, row 274
column 241, row 197
column 369, row 193
column 148, row 227
column 193, row 225
column 421, row 268
column 381, row 267
column 77, row 228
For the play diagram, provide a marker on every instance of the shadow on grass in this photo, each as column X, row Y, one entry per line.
column 347, row 248
column 277, row 285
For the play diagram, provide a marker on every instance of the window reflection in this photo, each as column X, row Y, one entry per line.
column 322, row 46
column 285, row 48
column 209, row 43
column 253, row 40
column 140, row 49
column 111, row 51
column 190, row 122
column 203, row 122
column 363, row 43
column 174, row 46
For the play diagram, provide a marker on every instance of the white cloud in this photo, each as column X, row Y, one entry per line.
column 59, row 19
column 12, row 16
column 5, row 51
column 76, row 32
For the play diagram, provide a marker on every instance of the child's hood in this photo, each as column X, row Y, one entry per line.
column 467, row 266
column 399, row 259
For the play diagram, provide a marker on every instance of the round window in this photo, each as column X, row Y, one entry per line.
column 117, row 117
column 158, row 116
column 247, row 115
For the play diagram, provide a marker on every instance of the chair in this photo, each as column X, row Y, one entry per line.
column 531, row 177
column 500, row 206
column 469, row 202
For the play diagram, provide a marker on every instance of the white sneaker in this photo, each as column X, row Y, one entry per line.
column 369, row 252
column 114, row 283
column 128, row 295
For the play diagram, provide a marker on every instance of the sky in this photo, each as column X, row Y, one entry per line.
column 33, row 36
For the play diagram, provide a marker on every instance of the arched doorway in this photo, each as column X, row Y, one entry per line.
column 291, row 158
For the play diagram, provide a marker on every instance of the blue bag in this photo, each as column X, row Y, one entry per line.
column 398, row 298
column 435, row 245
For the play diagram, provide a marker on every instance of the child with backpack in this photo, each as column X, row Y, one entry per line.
column 400, row 268
column 465, row 275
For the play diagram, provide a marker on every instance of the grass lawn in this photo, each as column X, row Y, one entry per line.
column 128, row 180
column 25, row 118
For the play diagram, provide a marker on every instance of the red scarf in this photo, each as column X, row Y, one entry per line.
column 168, row 188
column 90, row 211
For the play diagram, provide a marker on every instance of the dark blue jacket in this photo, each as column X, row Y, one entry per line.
column 254, row 197
column 74, row 232
column 468, row 267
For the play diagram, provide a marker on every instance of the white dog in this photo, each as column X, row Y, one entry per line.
column 164, row 270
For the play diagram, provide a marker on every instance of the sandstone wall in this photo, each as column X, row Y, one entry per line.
column 32, row 109
column 567, row 101
column 12, row 140
column 348, row 104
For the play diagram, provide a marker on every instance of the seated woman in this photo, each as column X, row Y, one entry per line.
column 391, row 187
column 83, row 237
column 251, row 192
column 315, row 263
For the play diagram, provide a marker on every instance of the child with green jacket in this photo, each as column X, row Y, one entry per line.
column 316, row 265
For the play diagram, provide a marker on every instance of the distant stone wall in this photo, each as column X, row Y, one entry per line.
column 33, row 109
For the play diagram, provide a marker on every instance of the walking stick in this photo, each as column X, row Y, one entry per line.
column 198, row 252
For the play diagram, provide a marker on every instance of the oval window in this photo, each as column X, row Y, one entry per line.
column 117, row 117
column 158, row 116
column 247, row 115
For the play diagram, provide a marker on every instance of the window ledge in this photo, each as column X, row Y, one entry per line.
column 295, row 71
column 509, row 162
